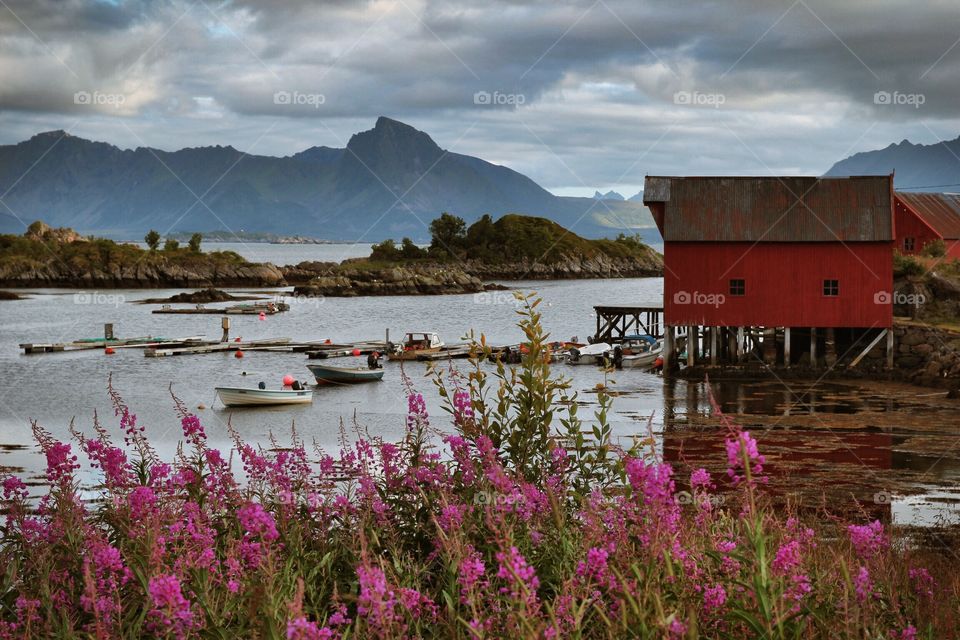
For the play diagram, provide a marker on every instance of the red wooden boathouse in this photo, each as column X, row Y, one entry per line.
column 922, row 218
column 748, row 259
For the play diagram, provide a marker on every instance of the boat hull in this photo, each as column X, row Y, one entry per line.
column 344, row 375
column 413, row 354
column 239, row 397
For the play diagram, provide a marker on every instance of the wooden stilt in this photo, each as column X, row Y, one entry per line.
column 713, row 345
column 692, row 335
column 890, row 348
column 669, row 348
column 770, row 345
column 830, row 348
column 740, row 345
column 786, row 347
column 813, row 347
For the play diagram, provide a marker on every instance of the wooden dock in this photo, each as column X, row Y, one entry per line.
column 144, row 342
column 266, row 308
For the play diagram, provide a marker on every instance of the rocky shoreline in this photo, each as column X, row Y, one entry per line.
column 144, row 276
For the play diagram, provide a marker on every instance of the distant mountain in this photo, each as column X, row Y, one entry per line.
column 637, row 197
column 609, row 195
column 390, row 181
column 916, row 165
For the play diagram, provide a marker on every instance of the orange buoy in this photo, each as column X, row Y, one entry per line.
column 356, row 352
column 328, row 341
column 658, row 362
column 238, row 354
column 288, row 380
column 237, row 339
column 109, row 351
column 263, row 316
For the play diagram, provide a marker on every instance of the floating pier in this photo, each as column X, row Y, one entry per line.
column 266, row 308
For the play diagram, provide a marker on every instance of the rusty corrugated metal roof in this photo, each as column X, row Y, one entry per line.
column 939, row 210
column 774, row 209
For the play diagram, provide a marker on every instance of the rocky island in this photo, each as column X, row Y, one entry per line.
column 47, row 257
column 458, row 260
column 465, row 260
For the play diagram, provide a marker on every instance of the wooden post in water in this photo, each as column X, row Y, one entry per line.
column 786, row 347
column 669, row 346
column 830, row 348
column 692, row 332
column 740, row 345
column 713, row 345
column 225, row 325
column 108, row 331
column 813, row 347
column 770, row 345
column 890, row 348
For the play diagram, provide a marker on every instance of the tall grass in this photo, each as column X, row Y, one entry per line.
column 517, row 523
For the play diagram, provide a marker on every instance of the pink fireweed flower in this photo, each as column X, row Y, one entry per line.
column 744, row 446
column 142, row 501
column 700, row 479
column 61, row 463
column 112, row 460
column 595, row 567
column 923, row 582
column 193, row 430
column 515, row 569
column 462, row 407
column 868, row 540
column 787, row 558
column 14, row 489
column 417, row 417
column 171, row 611
column 863, row 585
column 714, row 598
column 257, row 522
column 908, row 633
column 303, row 629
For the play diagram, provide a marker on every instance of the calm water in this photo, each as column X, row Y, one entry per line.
column 846, row 442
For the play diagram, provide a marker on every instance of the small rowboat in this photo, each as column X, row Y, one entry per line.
column 415, row 345
column 239, row 397
column 344, row 375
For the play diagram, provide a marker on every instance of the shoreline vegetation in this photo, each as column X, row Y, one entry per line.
column 509, row 516
column 459, row 260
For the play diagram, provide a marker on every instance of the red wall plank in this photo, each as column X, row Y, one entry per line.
column 784, row 284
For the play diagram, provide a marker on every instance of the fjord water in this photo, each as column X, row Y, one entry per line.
column 835, row 439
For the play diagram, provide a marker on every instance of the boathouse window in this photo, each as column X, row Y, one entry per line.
column 909, row 244
column 831, row 288
column 738, row 287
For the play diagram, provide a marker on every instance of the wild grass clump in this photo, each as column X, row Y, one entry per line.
column 515, row 524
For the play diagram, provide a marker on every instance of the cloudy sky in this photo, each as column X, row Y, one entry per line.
column 577, row 95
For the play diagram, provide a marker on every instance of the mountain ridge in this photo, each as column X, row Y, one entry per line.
column 389, row 181
column 935, row 167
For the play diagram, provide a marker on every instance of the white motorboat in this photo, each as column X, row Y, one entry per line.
column 589, row 354
column 241, row 397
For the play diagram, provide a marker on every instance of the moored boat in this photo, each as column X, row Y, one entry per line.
column 416, row 344
column 589, row 354
column 344, row 375
column 242, row 397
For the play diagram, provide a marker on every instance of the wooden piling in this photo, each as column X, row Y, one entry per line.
column 786, row 347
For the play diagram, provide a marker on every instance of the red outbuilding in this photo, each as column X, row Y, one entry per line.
column 767, row 254
column 922, row 218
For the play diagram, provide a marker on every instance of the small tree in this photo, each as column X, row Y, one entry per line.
column 935, row 248
column 152, row 239
column 410, row 251
column 386, row 251
column 448, row 232
column 195, row 241
column 171, row 245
